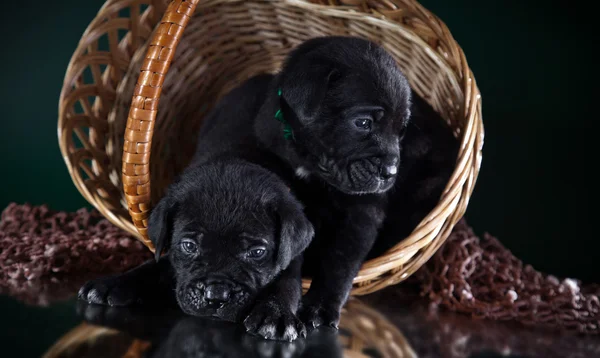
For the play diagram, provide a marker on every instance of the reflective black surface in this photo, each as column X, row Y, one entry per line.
column 43, row 319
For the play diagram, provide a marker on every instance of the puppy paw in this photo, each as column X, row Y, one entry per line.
column 271, row 321
column 271, row 348
column 316, row 315
column 109, row 291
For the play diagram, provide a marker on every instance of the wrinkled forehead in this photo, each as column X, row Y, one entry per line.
column 224, row 218
column 369, row 91
column 373, row 82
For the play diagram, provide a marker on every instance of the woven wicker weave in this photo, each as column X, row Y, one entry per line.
column 200, row 50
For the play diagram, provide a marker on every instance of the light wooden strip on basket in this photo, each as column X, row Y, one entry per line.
column 145, row 100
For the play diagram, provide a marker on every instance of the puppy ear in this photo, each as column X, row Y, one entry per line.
column 296, row 232
column 160, row 226
column 304, row 85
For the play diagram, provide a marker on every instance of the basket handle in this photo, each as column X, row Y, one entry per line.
column 144, row 105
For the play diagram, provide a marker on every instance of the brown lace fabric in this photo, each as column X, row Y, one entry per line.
column 468, row 274
column 482, row 278
column 44, row 252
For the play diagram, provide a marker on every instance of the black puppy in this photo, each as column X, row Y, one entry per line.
column 233, row 230
column 344, row 119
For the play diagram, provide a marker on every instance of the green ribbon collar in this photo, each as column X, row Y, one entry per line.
column 287, row 129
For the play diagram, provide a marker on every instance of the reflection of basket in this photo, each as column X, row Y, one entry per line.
column 89, row 341
column 224, row 43
column 369, row 332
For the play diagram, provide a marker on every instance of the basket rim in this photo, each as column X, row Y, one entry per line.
column 110, row 7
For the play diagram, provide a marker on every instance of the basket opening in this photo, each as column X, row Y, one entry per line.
column 227, row 43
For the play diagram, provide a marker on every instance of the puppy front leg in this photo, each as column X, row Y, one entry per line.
column 274, row 314
column 339, row 260
column 151, row 282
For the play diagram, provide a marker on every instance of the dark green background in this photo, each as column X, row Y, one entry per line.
column 533, row 63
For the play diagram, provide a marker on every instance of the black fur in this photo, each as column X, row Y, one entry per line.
column 233, row 230
column 372, row 158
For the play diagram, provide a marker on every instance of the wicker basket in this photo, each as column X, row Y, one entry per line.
column 189, row 53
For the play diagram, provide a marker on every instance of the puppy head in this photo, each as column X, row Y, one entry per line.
column 348, row 104
column 231, row 228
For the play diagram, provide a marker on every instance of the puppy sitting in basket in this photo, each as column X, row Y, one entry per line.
column 367, row 158
column 370, row 157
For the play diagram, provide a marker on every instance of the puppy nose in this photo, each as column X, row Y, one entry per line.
column 388, row 171
column 388, row 167
column 217, row 293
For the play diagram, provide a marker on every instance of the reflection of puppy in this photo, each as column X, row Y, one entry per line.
column 196, row 337
column 343, row 118
column 233, row 230
column 174, row 335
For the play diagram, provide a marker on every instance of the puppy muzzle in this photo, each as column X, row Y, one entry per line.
column 216, row 297
column 362, row 172
column 372, row 175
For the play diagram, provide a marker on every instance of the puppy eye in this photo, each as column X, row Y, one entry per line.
column 257, row 253
column 363, row 123
column 189, row 246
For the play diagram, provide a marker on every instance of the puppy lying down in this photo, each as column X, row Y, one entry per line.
column 232, row 230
